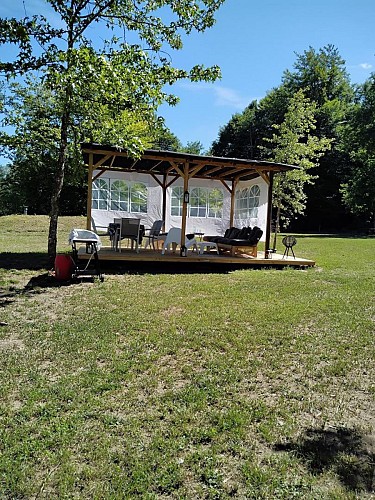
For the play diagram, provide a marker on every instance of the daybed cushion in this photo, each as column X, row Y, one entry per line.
column 238, row 237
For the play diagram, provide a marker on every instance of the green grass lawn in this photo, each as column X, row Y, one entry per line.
column 253, row 384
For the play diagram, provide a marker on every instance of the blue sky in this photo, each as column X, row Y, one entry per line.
column 253, row 42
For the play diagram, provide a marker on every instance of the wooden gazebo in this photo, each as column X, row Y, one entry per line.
column 167, row 166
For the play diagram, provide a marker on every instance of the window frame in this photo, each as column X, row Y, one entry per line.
column 247, row 201
column 177, row 206
column 197, row 195
column 196, row 208
column 119, row 192
column 100, row 186
column 128, row 204
column 141, row 201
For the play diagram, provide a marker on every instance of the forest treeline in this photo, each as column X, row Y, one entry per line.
column 340, row 193
column 315, row 118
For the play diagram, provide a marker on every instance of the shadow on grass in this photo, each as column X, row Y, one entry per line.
column 31, row 261
column 24, row 261
column 39, row 261
column 155, row 268
column 347, row 452
column 37, row 284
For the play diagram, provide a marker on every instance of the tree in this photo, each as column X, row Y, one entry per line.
column 32, row 111
column 323, row 77
column 124, row 75
column 31, row 146
column 293, row 143
column 166, row 140
column 358, row 137
column 359, row 192
column 239, row 138
column 193, row 147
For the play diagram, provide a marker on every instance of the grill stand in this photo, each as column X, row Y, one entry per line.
column 91, row 248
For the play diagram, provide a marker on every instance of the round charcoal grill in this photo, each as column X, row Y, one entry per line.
column 289, row 242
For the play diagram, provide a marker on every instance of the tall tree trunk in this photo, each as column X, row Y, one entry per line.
column 277, row 227
column 58, row 184
column 63, row 151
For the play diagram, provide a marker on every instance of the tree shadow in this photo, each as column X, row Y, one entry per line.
column 347, row 452
column 37, row 284
column 24, row 261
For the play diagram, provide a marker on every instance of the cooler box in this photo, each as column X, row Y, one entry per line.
column 64, row 267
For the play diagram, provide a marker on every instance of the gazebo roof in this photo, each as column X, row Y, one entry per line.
column 157, row 162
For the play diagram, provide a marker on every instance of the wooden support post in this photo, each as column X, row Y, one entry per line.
column 232, row 202
column 89, row 190
column 184, row 204
column 269, row 216
column 164, row 206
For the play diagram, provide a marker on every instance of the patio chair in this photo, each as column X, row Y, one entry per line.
column 174, row 238
column 154, row 234
column 129, row 229
column 103, row 230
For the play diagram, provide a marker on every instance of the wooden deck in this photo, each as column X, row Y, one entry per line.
column 148, row 258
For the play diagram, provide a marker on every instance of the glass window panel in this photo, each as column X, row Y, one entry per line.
column 247, row 202
column 194, row 197
column 100, row 194
column 215, row 203
column 198, row 202
column 254, row 195
column 138, row 198
column 176, row 201
column 119, row 195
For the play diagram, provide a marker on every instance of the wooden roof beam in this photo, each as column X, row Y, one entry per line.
column 99, row 174
column 156, row 165
column 104, row 169
column 195, row 170
column 178, row 170
column 213, row 170
column 263, row 175
column 226, row 186
column 172, row 181
column 101, row 161
column 240, row 170
column 249, row 174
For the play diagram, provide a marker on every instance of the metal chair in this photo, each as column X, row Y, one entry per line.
column 129, row 229
column 154, row 234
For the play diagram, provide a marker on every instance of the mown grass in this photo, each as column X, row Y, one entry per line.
column 251, row 384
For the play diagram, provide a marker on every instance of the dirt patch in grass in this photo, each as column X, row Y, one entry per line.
column 11, row 343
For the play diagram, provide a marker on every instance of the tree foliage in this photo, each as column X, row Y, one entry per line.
column 193, row 147
column 322, row 77
column 127, row 73
column 358, row 138
column 32, row 111
column 293, row 142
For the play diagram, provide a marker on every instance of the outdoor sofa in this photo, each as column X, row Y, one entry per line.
column 238, row 241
